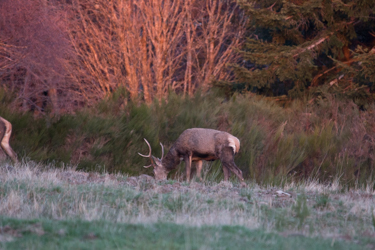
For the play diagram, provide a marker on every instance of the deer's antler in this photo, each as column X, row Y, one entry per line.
column 162, row 150
column 149, row 154
column 149, row 147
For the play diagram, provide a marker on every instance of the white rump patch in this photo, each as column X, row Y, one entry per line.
column 232, row 143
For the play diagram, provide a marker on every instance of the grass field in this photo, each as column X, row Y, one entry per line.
column 46, row 208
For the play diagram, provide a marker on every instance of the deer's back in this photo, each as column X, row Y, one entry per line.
column 205, row 141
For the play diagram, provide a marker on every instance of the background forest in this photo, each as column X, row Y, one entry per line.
column 84, row 81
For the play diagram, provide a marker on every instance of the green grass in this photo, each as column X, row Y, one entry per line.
column 77, row 234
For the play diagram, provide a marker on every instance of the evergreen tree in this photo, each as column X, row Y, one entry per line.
column 296, row 44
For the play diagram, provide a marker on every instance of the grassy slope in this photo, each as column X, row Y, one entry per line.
column 56, row 209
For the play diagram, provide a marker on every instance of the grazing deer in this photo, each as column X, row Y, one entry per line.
column 195, row 145
column 5, row 132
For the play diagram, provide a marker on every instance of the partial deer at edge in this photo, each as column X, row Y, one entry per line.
column 5, row 133
column 196, row 145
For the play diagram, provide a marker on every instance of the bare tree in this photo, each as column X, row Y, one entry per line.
column 33, row 52
column 163, row 21
column 154, row 46
column 221, row 29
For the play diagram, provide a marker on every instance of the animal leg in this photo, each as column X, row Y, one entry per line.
column 227, row 158
column 198, row 166
column 187, row 160
column 5, row 134
column 226, row 173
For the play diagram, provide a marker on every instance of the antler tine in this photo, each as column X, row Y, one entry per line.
column 149, row 147
column 162, row 150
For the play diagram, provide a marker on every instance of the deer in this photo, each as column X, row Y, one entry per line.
column 196, row 145
column 5, row 133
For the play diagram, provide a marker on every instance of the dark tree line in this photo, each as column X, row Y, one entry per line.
column 62, row 55
column 294, row 46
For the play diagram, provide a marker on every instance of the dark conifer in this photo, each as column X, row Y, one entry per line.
column 297, row 44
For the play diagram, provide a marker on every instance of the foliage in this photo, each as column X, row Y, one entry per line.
column 330, row 138
column 293, row 45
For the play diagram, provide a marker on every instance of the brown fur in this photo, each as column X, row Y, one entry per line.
column 196, row 145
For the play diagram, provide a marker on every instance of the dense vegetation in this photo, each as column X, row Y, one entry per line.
column 296, row 46
column 321, row 138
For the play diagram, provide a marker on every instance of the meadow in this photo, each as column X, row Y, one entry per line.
column 43, row 207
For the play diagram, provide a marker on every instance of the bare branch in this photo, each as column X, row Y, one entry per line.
column 312, row 46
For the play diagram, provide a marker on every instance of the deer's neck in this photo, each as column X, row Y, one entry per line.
column 171, row 160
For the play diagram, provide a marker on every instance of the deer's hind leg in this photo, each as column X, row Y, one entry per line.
column 198, row 167
column 227, row 159
column 188, row 159
column 226, row 173
column 6, row 131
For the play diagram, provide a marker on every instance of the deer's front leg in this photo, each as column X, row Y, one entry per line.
column 187, row 160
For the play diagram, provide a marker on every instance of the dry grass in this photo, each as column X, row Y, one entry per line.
column 32, row 191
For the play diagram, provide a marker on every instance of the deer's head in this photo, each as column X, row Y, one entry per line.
column 160, row 172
